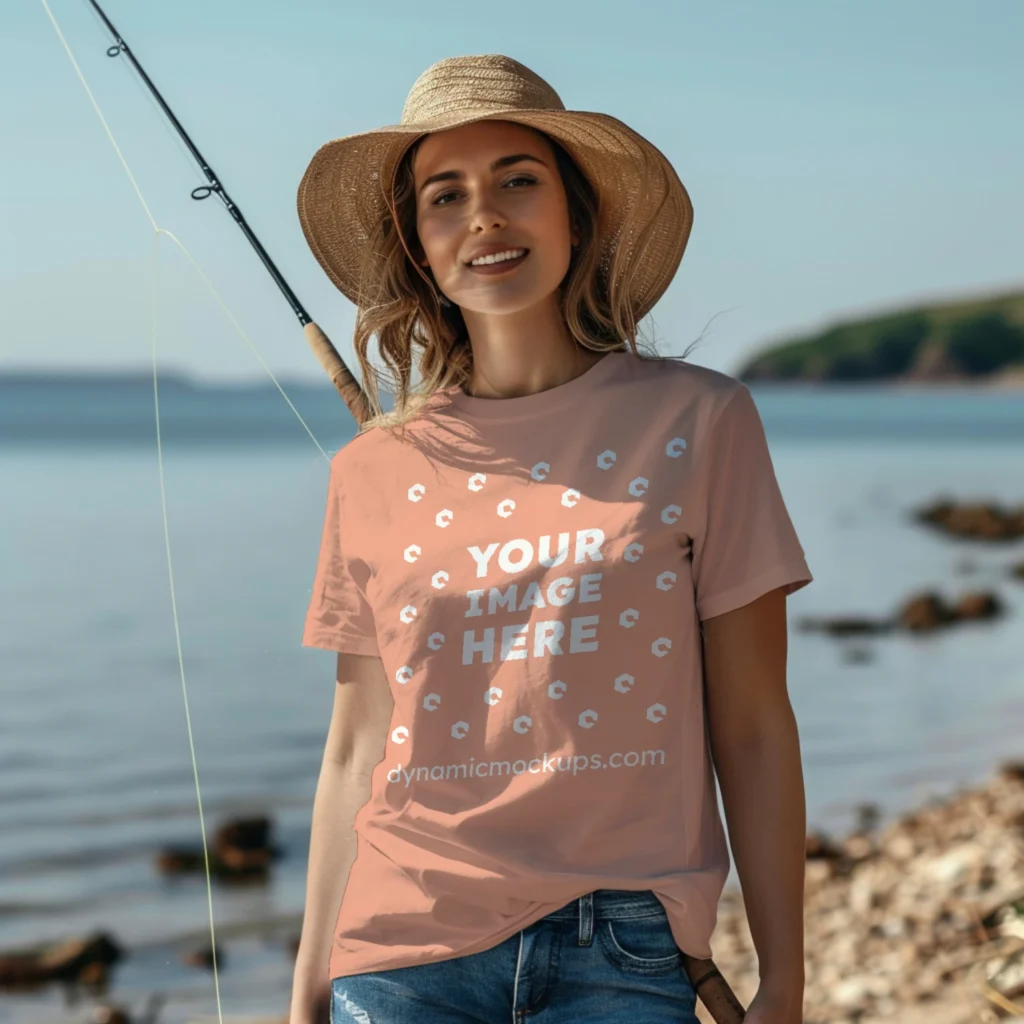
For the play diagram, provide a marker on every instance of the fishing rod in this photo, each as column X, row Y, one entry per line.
column 705, row 977
column 327, row 355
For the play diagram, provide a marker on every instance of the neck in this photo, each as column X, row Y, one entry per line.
column 523, row 353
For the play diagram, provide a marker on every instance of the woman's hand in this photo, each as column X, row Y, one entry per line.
column 775, row 1004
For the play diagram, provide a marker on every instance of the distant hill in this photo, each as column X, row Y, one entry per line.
column 44, row 378
column 117, row 407
column 978, row 339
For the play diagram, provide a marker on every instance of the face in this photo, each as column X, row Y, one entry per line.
column 488, row 188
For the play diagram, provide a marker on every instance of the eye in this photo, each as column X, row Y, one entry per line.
column 438, row 200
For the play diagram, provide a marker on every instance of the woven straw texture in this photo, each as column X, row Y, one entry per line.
column 341, row 197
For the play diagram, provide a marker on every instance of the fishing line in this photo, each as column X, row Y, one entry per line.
column 158, row 231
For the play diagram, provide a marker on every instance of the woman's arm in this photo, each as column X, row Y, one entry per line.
column 355, row 745
column 756, row 751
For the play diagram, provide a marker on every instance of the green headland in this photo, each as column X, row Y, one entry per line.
column 979, row 339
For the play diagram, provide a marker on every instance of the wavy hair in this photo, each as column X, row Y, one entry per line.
column 406, row 314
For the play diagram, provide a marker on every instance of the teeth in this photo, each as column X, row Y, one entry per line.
column 498, row 257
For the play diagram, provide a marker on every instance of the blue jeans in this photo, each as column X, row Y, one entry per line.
column 605, row 958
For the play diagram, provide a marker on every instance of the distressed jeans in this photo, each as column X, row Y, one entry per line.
column 606, row 958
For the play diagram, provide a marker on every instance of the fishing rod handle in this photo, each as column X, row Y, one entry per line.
column 714, row 990
column 346, row 385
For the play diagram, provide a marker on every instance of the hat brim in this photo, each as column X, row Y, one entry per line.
column 341, row 197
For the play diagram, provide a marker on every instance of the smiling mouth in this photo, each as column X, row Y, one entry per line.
column 499, row 262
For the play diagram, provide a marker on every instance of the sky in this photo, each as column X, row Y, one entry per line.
column 842, row 158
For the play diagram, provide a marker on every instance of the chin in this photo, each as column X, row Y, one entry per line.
column 511, row 302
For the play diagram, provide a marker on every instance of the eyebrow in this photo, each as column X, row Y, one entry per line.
column 503, row 161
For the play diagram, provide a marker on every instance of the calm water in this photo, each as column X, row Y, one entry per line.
column 95, row 772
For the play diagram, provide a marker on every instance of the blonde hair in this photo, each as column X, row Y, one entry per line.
column 599, row 308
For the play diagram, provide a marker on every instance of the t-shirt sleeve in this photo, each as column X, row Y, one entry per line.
column 339, row 617
column 747, row 544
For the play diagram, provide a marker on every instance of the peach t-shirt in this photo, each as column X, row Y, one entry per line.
column 532, row 572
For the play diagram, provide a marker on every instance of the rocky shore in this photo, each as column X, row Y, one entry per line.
column 928, row 611
column 920, row 922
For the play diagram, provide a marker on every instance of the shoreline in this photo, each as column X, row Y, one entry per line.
column 141, row 379
column 1008, row 383
column 907, row 916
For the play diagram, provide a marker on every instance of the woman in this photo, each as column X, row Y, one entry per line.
column 555, row 576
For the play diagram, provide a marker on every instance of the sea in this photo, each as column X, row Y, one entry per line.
column 95, row 767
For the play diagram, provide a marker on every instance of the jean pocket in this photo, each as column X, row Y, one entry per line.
column 643, row 945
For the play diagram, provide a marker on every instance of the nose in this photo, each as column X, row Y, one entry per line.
column 486, row 216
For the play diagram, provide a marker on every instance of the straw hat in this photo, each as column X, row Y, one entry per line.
column 341, row 195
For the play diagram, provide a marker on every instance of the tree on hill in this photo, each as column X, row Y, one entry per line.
column 985, row 343
column 892, row 353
